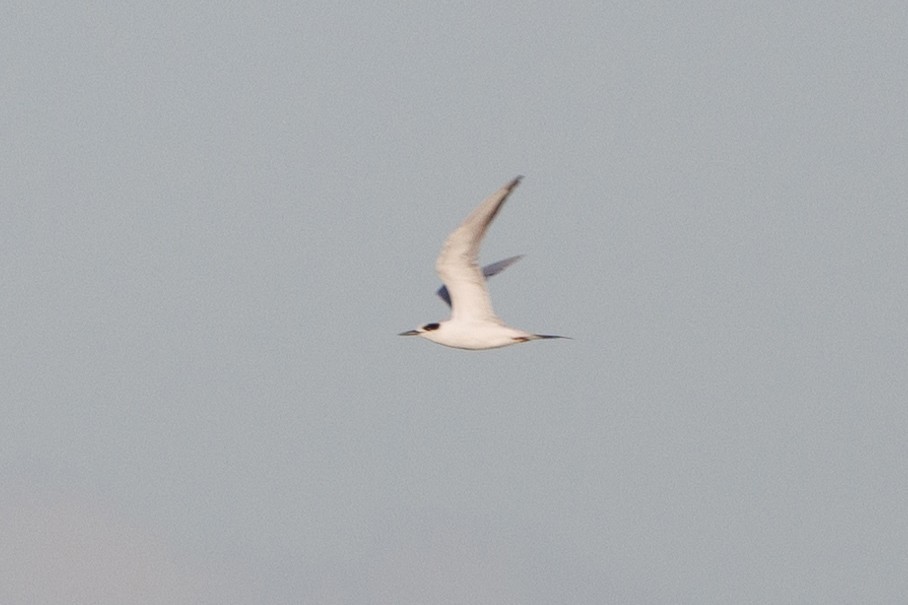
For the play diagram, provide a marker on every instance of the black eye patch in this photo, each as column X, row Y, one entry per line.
column 430, row 327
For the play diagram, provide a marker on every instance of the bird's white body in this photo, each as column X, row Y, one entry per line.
column 477, row 335
column 473, row 323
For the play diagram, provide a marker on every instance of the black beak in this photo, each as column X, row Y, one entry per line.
column 409, row 333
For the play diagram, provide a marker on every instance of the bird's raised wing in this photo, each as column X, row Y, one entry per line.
column 487, row 272
column 457, row 264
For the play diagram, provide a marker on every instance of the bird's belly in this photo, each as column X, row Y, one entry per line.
column 477, row 336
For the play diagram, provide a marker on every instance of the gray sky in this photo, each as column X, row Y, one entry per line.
column 215, row 221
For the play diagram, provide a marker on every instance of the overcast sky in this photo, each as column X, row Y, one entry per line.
column 215, row 220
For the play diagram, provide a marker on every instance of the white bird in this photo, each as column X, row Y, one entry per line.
column 473, row 323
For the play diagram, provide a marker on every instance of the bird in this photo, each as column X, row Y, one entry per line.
column 473, row 324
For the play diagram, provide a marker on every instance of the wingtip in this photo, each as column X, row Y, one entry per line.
column 514, row 182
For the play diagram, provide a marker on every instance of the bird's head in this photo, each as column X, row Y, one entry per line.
column 422, row 330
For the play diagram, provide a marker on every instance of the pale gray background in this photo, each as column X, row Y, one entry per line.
column 216, row 218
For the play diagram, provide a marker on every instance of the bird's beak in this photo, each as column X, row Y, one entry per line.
column 409, row 333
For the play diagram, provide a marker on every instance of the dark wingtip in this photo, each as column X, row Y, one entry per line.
column 514, row 182
column 552, row 336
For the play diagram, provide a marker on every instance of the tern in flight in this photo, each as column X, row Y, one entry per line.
column 473, row 323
